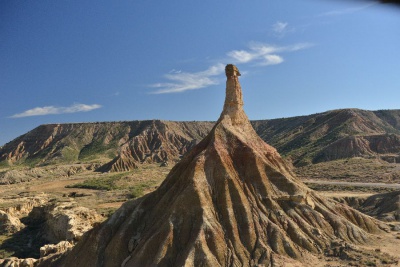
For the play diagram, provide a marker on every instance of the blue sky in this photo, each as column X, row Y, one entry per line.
column 87, row 61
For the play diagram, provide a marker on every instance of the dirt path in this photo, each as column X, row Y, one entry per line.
column 56, row 186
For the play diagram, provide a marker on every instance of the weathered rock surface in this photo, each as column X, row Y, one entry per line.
column 144, row 141
column 60, row 247
column 26, row 174
column 385, row 206
column 346, row 132
column 231, row 201
column 47, row 254
column 9, row 224
column 18, row 176
column 15, row 262
column 121, row 163
column 26, row 205
column 386, row 145
column 63, row 221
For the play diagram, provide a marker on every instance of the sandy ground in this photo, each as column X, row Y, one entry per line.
column 346, row 194
column 115, row 205
column 57, row 186
column 386, row 243
column 386, row 185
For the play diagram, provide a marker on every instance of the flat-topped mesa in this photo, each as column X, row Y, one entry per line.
column 233, row 106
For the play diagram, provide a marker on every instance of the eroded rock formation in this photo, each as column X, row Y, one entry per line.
column 385, row 146
column 63, row 221
column 231, row 201
column 384, row 206
column 9, row 224
column 60, row 247
column 143, row 141
column 305, row 140
column 121, row 163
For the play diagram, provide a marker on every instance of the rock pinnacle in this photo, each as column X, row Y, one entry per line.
column 233, row 106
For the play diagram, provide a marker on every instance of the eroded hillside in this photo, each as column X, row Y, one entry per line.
column 304, row 140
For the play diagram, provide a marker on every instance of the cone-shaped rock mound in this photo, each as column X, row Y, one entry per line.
column 231, row 201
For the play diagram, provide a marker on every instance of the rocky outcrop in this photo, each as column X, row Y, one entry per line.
column 60, row 247
column 15, row 262
column 26, row 205
column 47, row 253
column 120, row 164
column 157, row 143
column 9, row 224
column 385, row 206
column 47, row 231
column 63, row 221
column 26, row 174
column 230, row 201
column 18, row 176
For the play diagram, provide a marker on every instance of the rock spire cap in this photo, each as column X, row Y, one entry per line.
column 231, row 70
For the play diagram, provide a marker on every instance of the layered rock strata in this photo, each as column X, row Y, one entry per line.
column 231, row 201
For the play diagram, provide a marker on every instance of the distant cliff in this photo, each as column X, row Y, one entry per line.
column 305, row 140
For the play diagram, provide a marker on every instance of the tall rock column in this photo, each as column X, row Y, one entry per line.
column 233, row 106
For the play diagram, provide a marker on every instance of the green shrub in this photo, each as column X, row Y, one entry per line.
column 103, row 183
column 96, row 183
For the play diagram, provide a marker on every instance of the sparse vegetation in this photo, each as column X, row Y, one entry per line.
column 139, row 189
column 352, row 170
column 349, row 188
column 96, row 148
column 4, row 164
column 69, row 154
column 31, row 162
column 103, row 183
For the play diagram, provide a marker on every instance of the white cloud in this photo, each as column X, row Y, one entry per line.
column 241, row 56
column 272, row 60
column 345, row 11
column 50, row 110
column 183, row 81
column 258, row 53
column 264, row 54
column 279, row 27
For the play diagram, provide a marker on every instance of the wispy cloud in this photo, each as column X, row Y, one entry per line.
column 345, row 11
column 183, row 81
column 264, row 54
column 258, row 53
column 50, row 110
column 279, row 27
